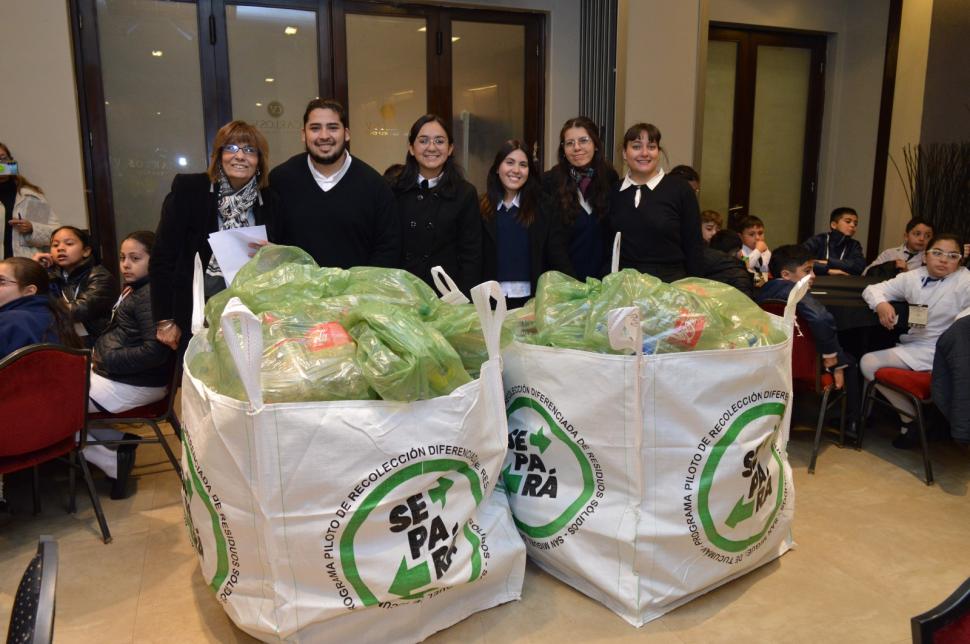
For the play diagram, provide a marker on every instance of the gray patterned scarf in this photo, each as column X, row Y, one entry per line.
column 234, row 206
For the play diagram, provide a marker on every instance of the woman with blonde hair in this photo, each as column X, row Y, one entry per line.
column 28, row 220
column 232, row 194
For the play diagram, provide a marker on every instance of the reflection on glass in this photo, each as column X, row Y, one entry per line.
column 778, row 141
column 153, row 103
column 718, row 126
column 387, row 80
column 488, row 95
column 273, row 72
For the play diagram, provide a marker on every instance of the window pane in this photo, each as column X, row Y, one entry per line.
column 778, row 141
column 272, row 72
column 488, row 95
column 718, row 126
column 153, row 103
column 387, row 83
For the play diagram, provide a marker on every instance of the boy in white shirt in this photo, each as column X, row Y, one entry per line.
column 754, row 250
column 938, row 294
column 907, row 257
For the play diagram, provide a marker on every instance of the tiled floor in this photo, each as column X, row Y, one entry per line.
column 875, row 546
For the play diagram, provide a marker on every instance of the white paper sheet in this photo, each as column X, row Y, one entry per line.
column 231, row 248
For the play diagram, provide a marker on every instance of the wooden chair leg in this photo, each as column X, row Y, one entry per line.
column 72, row 484
column 168, row 450
column 35, row 484
column 105, row 533
column 818, row 429
column 927, row 466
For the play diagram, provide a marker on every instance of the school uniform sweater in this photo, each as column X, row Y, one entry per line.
column 24, row 321
column 839, row 251
column 662, row 235
column 353, row 224
column 947, row 299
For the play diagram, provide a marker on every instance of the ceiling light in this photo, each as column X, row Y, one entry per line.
column 455, row 38
column 270, row 80
column 183, row 162
column 289, row 31
column 259, row 104
column 157, row 53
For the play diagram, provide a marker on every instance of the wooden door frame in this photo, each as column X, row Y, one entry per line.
column 748, row 39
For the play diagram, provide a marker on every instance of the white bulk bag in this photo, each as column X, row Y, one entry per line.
column 645, row 481
column 349, row 521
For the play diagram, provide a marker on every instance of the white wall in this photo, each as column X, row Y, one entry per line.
column 38, row 109
column 853, row 88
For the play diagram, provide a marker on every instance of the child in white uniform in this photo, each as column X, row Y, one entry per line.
column 938, row 294
column 909, row 256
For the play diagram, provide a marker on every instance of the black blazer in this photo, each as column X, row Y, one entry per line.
column 189, row 214
column 548, row 248
column 441, row 229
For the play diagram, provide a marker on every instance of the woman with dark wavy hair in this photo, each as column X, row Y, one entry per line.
column 437, row 208
column 521, row 242
column 577, row 191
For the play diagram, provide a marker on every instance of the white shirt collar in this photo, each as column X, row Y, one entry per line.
column 431, row 182
column 652, row 183
column 515, row 202
column 326, row 183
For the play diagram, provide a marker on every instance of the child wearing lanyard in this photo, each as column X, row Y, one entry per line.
column 937, row 294
column 130, row 367
column 88, row 289
column 836, row 253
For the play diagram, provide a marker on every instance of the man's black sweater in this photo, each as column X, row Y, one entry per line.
column 353, row 224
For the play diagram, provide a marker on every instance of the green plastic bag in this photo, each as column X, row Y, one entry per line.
column 462, row 328
column 562, row 305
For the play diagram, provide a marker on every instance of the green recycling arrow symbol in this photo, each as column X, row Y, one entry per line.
column 741, row 512
column 540, row 440
column 512, row 481
column 438, row 494
column 407, row 580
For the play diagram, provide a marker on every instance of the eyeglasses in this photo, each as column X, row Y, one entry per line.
column 438, row 141
column 4, row 281
column 953, row 256
column 232, row 148
column 572, row 143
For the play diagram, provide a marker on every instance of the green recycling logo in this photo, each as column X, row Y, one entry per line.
column 550, row 474
column 410, row 538
column 209, row 531
column 742, row 484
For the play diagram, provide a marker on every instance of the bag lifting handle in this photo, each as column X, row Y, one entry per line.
column 246, row 347
column 491, row 320
column 450, row 293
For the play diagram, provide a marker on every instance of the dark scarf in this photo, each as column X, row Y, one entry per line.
column 233, row 208
column 583, row 178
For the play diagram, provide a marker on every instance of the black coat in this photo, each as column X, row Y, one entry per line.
column 189, row 213
column 127, row 351
column 441, row 228
column 548, row 248
column 89, row 291
column 951, row 375
column 727, row 269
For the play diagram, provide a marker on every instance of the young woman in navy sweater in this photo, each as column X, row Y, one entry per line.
column 657, row 214
column 520, row 242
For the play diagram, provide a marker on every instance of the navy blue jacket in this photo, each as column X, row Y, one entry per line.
column 26, row 320
column 813, row 312
column 844, row 253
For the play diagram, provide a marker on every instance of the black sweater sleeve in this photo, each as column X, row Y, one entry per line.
column 169, row 238
column 690, row 234
column 469, row 239
column 386, row 250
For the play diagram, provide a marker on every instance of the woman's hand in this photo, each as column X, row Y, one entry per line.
column 23, row 226
column 44, row 259
column 255, row 246
column 887, row 315
column 169, row 334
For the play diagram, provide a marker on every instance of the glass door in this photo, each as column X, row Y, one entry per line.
column 762, row 128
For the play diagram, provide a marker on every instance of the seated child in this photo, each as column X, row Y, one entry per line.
column 87, row 288
column 789, row 264
column 752, row 231
column 907, row 257
column 130, row 366
column 28, row 314
column 835, row 252
column 937, row 293
column 711, row 222
column 723, row 263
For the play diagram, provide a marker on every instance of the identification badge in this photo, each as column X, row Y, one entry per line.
column 919, row 315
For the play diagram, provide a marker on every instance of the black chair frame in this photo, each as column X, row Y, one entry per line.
column 925, row 625
column 869, row 397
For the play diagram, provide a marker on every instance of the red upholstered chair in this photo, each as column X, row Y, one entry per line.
column 44, row 408
column 150, row 414
column 947, row 623
column 809, row 376
column 915, row 385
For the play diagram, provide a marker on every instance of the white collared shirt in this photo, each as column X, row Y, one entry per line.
column 913, row 261
column 431, row 182
column 327, row 183
column 651, row 184
column 509, row 206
